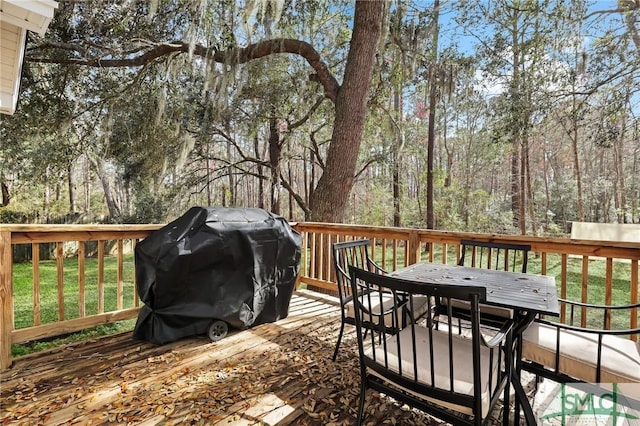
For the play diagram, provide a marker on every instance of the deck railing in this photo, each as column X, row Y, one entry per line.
column 109, row 246
column 80, row 300
column 602, row 272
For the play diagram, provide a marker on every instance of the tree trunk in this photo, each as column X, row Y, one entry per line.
column 256, row 150
column 329, row 200
column 274, row 163
column 72, row 198
column 397, row 146
column 307, row 166
column 208, row 159
column 529, row 193
column 619, row 186
column 87, row 187
column 523, row 193
column 46, row 196
column 98, row 166
column 311, row 184
column 516, row 131
column 6, row 197
column 577, row 171
column 433, row 99
column 290, row 173
column 231, row 202
column 547, row 192
column 515, row 182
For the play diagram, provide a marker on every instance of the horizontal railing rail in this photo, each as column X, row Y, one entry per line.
column 67, row 295
column 585, row 270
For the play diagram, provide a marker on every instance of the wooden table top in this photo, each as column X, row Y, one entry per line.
column 514, row 290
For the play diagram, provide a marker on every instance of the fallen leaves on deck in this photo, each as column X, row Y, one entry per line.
column 278, row 373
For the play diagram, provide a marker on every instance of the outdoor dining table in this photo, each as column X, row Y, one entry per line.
column 528, row 295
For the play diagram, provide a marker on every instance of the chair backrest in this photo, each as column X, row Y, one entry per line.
column 350, row 253
column 498, row 256
column 428, row 362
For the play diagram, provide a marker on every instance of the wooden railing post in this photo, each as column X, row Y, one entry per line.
column 6, row 299
column 414, row 248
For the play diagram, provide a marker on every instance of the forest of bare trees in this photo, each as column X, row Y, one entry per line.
column 511, row 116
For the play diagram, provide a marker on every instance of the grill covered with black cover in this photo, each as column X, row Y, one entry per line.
column 238, row 265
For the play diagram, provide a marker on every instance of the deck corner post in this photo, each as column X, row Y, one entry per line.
column 6, row 299
column 414, row 248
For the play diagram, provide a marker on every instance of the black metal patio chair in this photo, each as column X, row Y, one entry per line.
column 356, row 253
column 592, row 346
column 496, row 256
column 458, row 379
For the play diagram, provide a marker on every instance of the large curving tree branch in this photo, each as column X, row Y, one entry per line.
column 234, row 56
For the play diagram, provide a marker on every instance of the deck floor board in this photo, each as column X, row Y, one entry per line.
column 273, row 374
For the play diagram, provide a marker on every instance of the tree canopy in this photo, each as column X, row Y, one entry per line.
column 134, row 111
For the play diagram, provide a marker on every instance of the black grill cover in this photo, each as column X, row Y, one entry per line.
column 232, row 264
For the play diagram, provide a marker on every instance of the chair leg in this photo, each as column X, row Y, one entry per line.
column 335, row 352
column 539, row 379
column 363, row 392
column 506, row 405
column 518, row 369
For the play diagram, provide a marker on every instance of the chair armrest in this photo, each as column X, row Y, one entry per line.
column 500, row 335
column 563, row 326
column 603, row 309
column 596, row 306
column 375, row 267
column 400, row 301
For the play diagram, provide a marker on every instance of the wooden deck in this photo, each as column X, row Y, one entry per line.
column 279, row 373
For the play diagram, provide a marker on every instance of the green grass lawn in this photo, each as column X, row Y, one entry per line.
column 23, row 297
column 87, row 334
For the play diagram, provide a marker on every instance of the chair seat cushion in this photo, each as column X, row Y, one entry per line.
column 462, row 361
column 373, row 304
column 578, row 353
